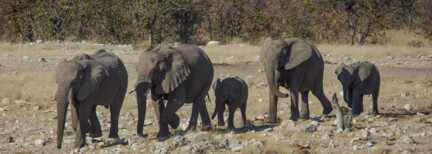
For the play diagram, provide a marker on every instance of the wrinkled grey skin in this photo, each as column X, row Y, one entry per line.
column 88, row 81
column 180, row 75
column 297, row 65
column 234, row 93
column 359, row 79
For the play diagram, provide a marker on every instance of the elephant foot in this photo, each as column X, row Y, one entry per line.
column 327, row 110
column 294, row 117
column 191, row 127
column 376, row 113
column 230, row 128
column 79, row 144
column 206, row 127
column 175, row 122
column 163, row 135
column 95, row 135
column 355, row 114
column 304, row 116
column 142, row 135
column 270, row 119
column 221, row 123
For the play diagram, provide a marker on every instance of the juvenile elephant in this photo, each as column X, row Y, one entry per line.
column 88, row 81
column 180, row 75
column 297, row 65
column 234, row 93
column 359, row 79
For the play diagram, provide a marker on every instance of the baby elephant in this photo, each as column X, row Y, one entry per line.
column 231, row 91
column 359, row 79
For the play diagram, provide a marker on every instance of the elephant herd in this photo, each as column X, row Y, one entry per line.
column 184, row 74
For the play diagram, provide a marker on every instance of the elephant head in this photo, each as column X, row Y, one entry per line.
column 76, row 78
column 345, row 75
column 221, row 92
column 282, row 55
column 160, row 70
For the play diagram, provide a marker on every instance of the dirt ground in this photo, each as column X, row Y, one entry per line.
column 28, row 116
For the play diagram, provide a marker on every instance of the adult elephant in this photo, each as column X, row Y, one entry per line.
column 297, row 65
column 178, row 75
column 88, row 81
column 359, row 79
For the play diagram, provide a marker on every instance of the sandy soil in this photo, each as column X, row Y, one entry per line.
column 28, row 124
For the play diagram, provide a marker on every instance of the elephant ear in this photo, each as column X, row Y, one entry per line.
column 296, row 52
column 263, row 49
column 93, row 74
column 363, row 72
column 216, row 83
column 176, row 71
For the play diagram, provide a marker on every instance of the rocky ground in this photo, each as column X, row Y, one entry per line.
column 28, row 117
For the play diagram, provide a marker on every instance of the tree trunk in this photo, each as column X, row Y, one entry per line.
column 366, row 32
column 343, row 121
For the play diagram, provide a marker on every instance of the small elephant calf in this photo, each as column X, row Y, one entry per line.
column 359, row 79
column 231, row 91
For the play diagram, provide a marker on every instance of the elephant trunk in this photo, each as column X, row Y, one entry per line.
column 62, row 105
column 270, row 74
column 215, row 111
column 346, row 93
column 141, row 94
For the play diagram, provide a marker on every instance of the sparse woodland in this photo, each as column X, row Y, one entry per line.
column 149, row 22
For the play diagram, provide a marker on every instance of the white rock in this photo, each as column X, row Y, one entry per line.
column 6, row 101
column 260, row 117
column 40, row 142
column 211, row 43
column 406, row 94
column 42, row 60
column 406, row 139
column 36, row 108
column 408, row 107
column 4, row 109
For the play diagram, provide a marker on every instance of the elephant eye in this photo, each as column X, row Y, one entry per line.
column 74, row 81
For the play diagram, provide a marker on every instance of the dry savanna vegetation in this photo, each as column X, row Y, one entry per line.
column 28, row 124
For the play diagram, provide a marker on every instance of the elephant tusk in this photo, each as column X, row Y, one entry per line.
column 145, row 94
column 54, row 99
column 130, row 92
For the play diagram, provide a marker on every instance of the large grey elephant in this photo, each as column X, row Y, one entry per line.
column 234, row 93
column 359, row 79
column 180, row 75
column 297, row 65
column 88, row 81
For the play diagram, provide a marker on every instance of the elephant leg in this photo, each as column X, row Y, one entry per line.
column 196, row 108
column 74, row 115
column 95, row 126
column 231, row 118
column 159, row 107
column 115, row 113
column 176, row 100
column 243, row 112
column 355, row 102
column 360, row 103
column 304, row 106
column 83, row 125
column 294, row 105
column 319, row 93
column 375, row 102
column 206, row 122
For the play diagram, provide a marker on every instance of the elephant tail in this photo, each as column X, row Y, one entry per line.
column 208, row 98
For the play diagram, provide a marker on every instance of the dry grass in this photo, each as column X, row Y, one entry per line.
column 232, row 53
